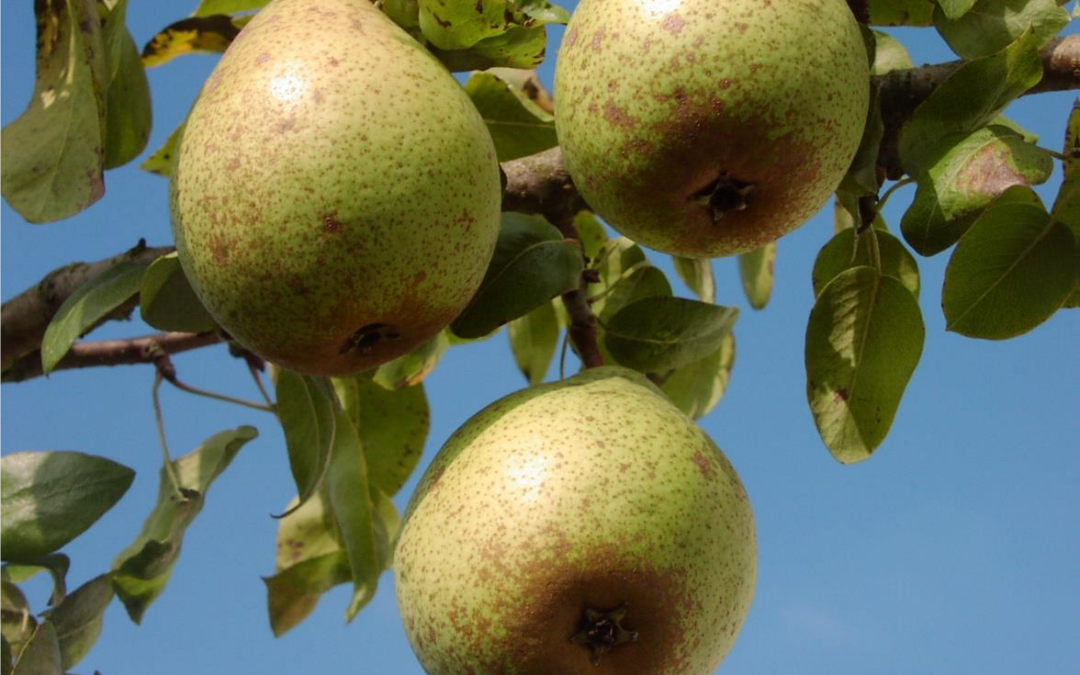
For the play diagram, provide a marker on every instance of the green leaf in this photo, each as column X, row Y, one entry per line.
column 533, row 339
column 198, row 34
column 460, row 24
column 901, row 12
column 160, row 162
column 167, row 301
column 1010, row 272
column 863, row 341
column 889, row 54
column 697, row 274
column 969, row 98
column 1067, row 203
column 41, row 655
column 56, row 564
column 862, row 175
column 518, row 126
column 532, row 264
column 659, row 333
column 305, row 409
column 49, row 498
column 141, row 571
column 697, row 387
column 974, row 169
column 405, row 13
column 616, row 258
column 954, row 9
column 78, row 619
column 756, row 269
column 349, row 495
column 308, row 531
column 640, row 282
column 88, row 305
column 591, row 233
column 127, row 102
column 17, row 622
column 6, row 658
column 211, row 7
column 293, row 593
column 411, row 369
column 847, row 250
column 992, row 25
column 516, row 48
column 51, row 157
column 392, row 424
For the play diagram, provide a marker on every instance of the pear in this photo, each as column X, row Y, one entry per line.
column 336, row 198
column 583, row 527
column 704, row 128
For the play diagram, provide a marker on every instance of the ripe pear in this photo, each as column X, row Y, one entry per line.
column 583, row 527
column 704, row 128
column 336, row 197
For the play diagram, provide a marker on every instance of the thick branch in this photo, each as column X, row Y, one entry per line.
column 112, row 353
column 24, row 318
column 582, row 320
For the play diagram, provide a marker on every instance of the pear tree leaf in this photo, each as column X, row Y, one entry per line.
column 393, row 425
column 847, row 250
column 697, row 387
column 49, row 498
column 406, row 14
column 757, row 271
column 460, row 24
column 208, row 34
column 211, row 7
column 1012, row 125
column 992, row 25
column 954, row 9
column 532, row 264
column 901, row 12
column 518, row 47
column 660, row 333
column 17, row 622
column 863, row 341
column 127, row 101
column 527, row 82
column 616, row 258
column 41, row 654
column 889, row 54
column 517, row 125
column 591, row 234
column 969, row 98
column 862, row 175
column 349, row 495
column 167, row 301
column 51, row 157
column 1067, row 203
column 293, row 593
column 6, row 658
column 411, row 369
column 1009, row 273
column 640, row 282
column 533, row 339
column 305, row 409
column 141, row 570
column 88, row 305
column 160, row 161
column 307, row 531
column 973, row 171
column 56, row 564
column 697, row 274
column 78, row 619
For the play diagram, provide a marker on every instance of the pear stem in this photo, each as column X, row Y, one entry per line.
column 582, row 329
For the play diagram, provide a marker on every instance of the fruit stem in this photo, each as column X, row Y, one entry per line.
column 170, row 469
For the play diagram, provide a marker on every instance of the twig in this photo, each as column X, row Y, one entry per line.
column 582, row 328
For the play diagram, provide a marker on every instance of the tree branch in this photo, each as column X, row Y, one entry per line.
column 539, row 183
column 582, row 320
column 129, row 351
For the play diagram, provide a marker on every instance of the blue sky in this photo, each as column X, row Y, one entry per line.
column 954, row 549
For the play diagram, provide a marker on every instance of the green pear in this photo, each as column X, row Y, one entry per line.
column 583, row 527
column 704, row 128
column 336, row 197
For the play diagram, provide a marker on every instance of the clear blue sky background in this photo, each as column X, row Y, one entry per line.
column 955, row 549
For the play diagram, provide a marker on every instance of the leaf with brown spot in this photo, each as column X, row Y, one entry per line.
column 197, row 34
column 518, row 126
column 160, row 162
column 973, row 171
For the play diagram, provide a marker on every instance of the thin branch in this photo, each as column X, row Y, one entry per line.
column 582, row 328
column 111, row 353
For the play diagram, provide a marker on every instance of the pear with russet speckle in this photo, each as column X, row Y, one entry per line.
column 704, row 128
column 336, row 197
column 582, row 527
